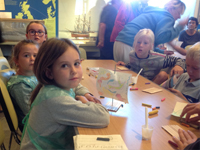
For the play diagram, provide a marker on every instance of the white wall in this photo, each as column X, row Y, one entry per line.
column 66, row 13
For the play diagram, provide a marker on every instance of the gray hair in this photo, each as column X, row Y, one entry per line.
column 175, row 4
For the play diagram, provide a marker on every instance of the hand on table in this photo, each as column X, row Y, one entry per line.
column 83, row 99
column 176, row 70
column 168, row 52
column 92, row 98
column 162, row 46
column 190, row 109
column 186, row 138
column 121, row 63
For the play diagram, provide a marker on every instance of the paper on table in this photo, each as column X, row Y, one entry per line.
column 152, row 90
column 113, row 106
column 90, row 142
column 179, row 108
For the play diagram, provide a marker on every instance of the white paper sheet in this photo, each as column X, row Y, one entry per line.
column 179, row 108
column 90, row 142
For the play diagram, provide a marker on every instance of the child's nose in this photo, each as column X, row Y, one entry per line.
column 32, row 58
column 189, row 70
column 73, row 70
column 36, row 33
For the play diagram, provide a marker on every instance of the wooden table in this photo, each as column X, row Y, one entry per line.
column 128, row 120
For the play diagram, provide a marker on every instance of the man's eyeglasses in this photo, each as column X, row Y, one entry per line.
column 33, row 32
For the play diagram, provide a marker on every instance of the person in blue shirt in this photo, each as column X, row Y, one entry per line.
column 160, row 21
column 187, row 86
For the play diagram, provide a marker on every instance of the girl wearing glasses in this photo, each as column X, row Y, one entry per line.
column 37, row 32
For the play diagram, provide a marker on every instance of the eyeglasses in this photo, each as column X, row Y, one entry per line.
column 33, row 32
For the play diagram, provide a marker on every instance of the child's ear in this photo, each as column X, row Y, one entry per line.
column 15, row 61
column 48, row 73
column 26, row 36
column 46, row 37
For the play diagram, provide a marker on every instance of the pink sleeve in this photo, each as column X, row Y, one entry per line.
column 125, row 14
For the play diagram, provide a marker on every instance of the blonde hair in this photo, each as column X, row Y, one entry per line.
column 175, row 4
column 194, row 52
column 144, row 32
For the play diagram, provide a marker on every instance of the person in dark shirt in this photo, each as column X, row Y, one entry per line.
column 106, row 24
column 191, row 35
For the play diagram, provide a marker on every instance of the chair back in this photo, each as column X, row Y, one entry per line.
column 4, row 63
column 2, row 135
column 6, row 74
column 1, row 53
column 8, row 108
column 83, row 53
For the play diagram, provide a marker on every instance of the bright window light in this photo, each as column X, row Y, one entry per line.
column 129, row 0
column 157, row 3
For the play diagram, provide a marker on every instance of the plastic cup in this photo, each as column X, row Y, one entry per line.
column 134, row 80
column 147, row 132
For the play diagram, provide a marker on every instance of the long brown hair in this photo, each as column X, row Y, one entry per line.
column 48, row 53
